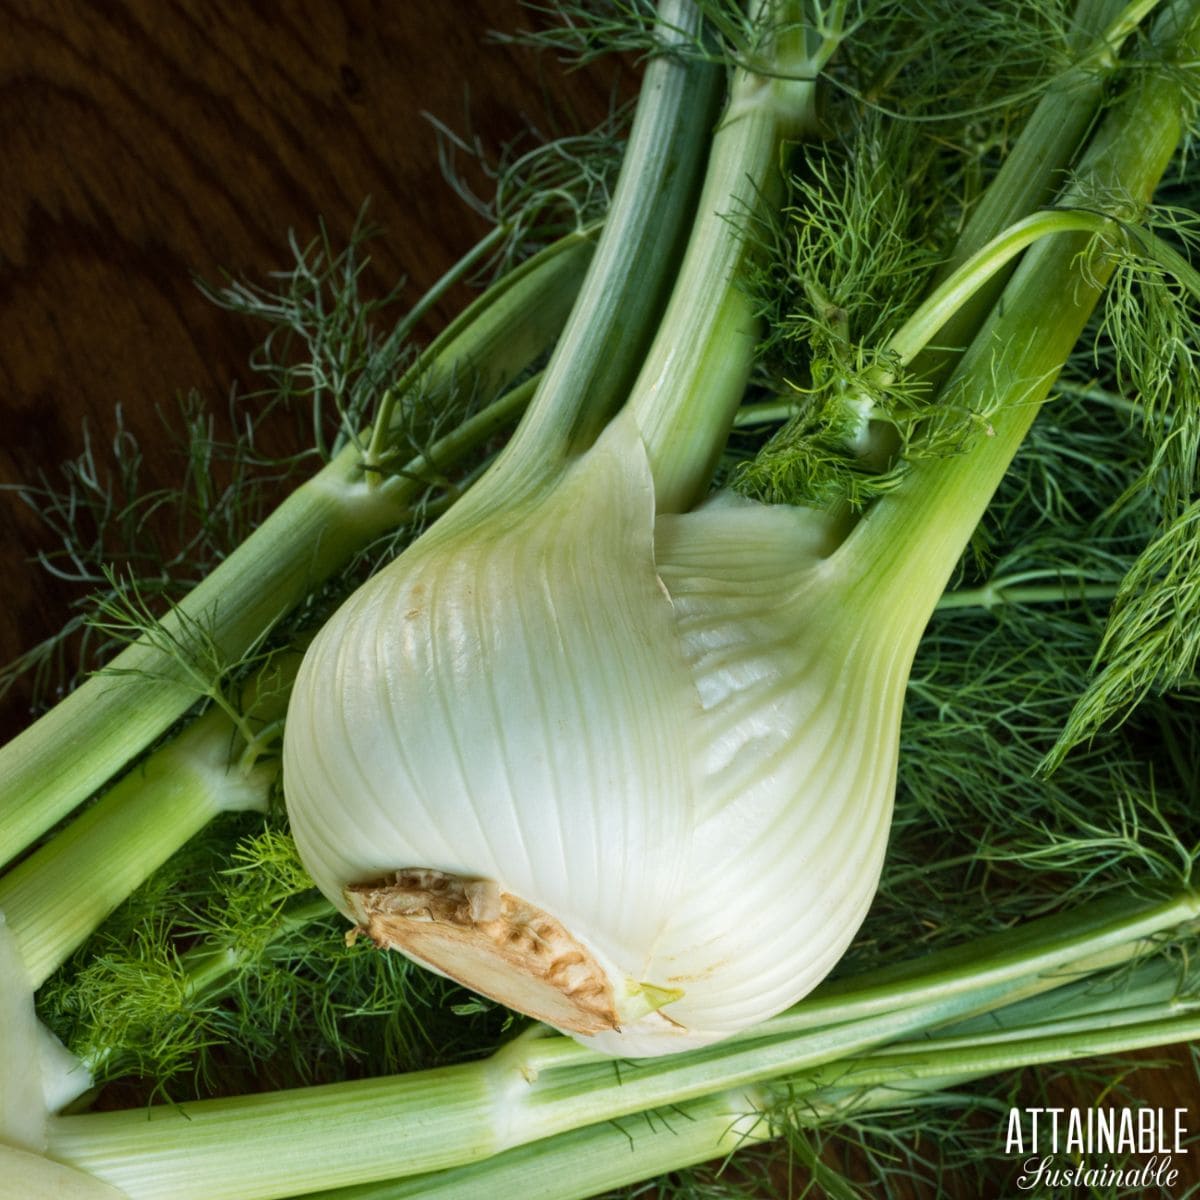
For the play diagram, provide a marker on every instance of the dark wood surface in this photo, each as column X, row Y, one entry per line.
column 143, row 142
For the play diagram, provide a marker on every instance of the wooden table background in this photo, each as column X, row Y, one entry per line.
column 143, row 142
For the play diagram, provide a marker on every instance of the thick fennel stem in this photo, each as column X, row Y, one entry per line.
column 109, row 719
column 1046, row 953
column 1135, row 1018
column 974, row 1060
column 620, row 301
column 54, row 899
column 1036, row 167
column 583, row 1162
column 1015, row 359
column 586, row 1162
column 57, row 896
column 1135, row 1010
column 1033, row 171
column 579, row 1164
column 343, row 1133
column 601, row 1155
column 1150, row 986
column 695, row 373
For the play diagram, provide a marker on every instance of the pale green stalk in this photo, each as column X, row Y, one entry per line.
column 765, row 412
column 603, row 345
column 592, row 1160
column 1158, row 986
column 259, row 1146
column 950, row 296
column 54, row 899
column 695, row 374
column 110, row 718
column 1045, row 954
column 910, row 541
column 588, row 1161
column 960, row 1062
column 1036, row 168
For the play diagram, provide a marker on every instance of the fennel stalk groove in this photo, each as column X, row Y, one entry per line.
column 617, row 746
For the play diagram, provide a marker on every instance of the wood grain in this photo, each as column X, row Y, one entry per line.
column 144, row 142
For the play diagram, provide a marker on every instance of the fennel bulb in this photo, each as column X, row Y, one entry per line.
column 630, row 775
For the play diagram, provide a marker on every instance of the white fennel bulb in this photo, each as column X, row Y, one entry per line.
column 629, row 774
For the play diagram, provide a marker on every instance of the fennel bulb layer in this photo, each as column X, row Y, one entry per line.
column 630, row 774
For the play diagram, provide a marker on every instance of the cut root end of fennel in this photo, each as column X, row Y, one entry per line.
column 498, row 945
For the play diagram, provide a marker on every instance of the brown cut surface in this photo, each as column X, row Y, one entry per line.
column 490, row 941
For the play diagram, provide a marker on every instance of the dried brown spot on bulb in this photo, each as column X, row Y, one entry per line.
column 490, row 941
